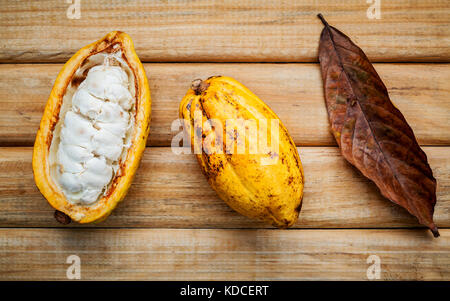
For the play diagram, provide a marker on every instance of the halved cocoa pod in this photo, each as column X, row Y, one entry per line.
column 94, row 130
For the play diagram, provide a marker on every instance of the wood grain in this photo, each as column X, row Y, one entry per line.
column 164, row 254
column 231, row 30
column 293, row 91
column 169, row 191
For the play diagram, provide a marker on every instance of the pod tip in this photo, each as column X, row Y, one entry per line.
column 62, row 218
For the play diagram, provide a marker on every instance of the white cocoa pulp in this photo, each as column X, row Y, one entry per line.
column 93, row 133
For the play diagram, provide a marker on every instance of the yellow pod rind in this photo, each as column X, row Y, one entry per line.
column 269, row 192
column 121, row 183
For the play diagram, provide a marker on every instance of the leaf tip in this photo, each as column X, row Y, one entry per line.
column 435, row 231
column 320, row 16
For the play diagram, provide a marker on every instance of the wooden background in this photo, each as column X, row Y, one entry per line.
column 172, row 226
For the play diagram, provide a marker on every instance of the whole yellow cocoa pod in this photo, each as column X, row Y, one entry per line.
column 230, row 130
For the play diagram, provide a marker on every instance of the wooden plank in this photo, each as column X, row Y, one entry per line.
column 169, row 191
column 169, row 254
column 293, row 91
column 231, row 31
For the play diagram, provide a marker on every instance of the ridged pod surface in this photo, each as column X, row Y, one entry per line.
column 69, row 79
column 266, row 184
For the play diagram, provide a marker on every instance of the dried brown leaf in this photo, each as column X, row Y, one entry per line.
column 371, row 132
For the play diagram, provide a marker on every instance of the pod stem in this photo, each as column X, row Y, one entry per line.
column 199, row 86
